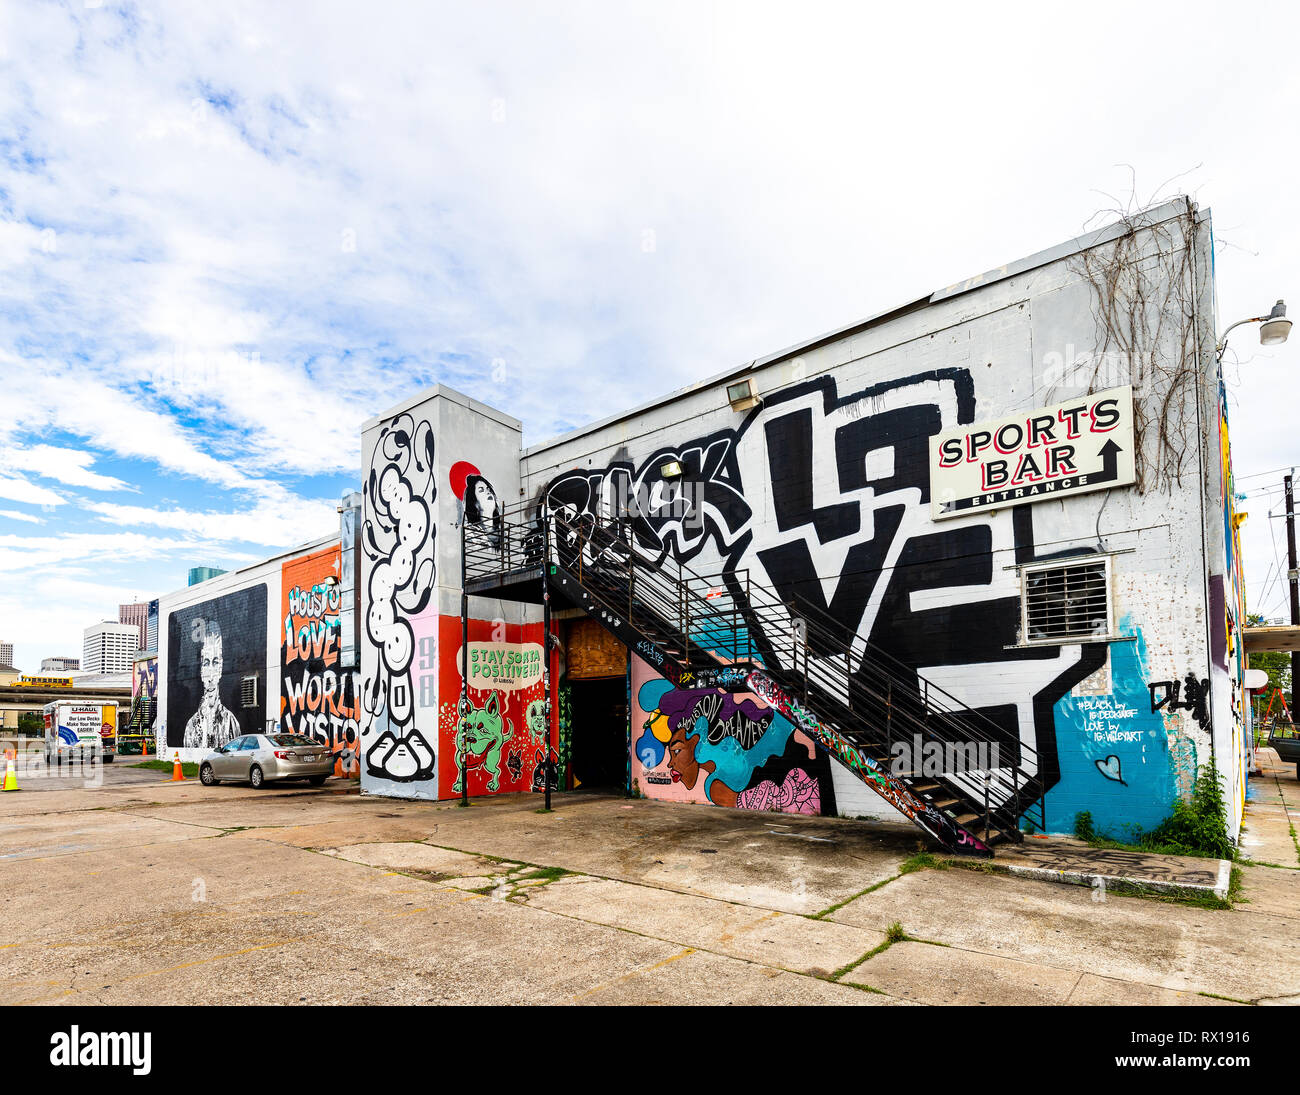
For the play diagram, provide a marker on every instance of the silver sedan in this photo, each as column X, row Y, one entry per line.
column 261, row 758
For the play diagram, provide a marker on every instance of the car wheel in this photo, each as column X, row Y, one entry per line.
column 316, row 781
column 207, row 777
column 255, row 776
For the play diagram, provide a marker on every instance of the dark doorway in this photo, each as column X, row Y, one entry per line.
column 599, row 712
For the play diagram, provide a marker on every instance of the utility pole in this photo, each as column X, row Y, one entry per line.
column 1294, row 578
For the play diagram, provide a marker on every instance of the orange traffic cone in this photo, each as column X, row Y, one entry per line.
column 11, row 774
column 177, row 775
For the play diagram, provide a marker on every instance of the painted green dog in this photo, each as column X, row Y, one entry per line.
column 480, row 735
column 535, row 720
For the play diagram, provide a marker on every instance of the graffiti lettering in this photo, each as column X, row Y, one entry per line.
column 317, row 698
column 677, row 515
column 1194, row 697
column 744, row 727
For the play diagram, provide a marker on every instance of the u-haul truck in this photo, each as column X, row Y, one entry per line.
column 81, row 731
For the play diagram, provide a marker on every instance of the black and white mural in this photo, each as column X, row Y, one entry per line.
column 398, row 537
column 211, row 648
column 823, row 495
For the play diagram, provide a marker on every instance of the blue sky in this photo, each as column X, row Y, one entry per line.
column 230, row 233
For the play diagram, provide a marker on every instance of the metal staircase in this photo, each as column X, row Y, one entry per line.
column 959, row 776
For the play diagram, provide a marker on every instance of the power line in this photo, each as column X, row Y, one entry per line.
column 1277, row 561
column 1257, row 474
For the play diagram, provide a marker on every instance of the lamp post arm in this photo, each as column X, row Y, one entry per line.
column 1223, row 340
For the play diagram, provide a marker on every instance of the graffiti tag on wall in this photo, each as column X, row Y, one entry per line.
column 1189, row 694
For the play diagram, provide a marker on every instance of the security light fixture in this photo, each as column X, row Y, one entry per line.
column 671, row 470
column 742, row 395
column 1273, row 330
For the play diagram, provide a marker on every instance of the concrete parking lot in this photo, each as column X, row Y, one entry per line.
column 147, row 891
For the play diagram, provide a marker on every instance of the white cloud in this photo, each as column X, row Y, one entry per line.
column 82, row 401
column 22, row 555
column 20, row 490
column 14, row 515
column 71, row 467
column 277, row 519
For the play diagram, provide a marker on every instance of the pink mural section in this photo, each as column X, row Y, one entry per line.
column 711, row 746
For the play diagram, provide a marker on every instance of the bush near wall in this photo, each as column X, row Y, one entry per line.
column 1197, row 827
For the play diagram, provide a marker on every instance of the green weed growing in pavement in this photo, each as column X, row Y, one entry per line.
column 1083, row 828
column 893, row 934
column 922, row 861
column 550, row 874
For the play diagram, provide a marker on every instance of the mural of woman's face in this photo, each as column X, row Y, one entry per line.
column 210, row 664
column 486, row 499
column 681, row 755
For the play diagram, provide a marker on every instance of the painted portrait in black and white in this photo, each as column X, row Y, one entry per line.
column 477, row 500
column 211, row 648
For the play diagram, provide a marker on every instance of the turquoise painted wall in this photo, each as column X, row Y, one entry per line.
column 1115, row 753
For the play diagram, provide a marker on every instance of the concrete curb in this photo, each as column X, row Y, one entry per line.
column 1084, row 878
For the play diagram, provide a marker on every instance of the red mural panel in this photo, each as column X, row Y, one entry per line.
column 506, row 732
column 317, row 698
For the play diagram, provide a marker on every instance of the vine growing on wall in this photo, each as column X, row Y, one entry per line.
column 1144, row 307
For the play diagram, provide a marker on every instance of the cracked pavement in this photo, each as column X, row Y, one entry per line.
column 145, row 891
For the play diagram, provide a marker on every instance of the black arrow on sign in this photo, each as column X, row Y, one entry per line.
column 1109, row 454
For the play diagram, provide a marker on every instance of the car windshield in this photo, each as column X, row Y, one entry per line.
column 293, row 739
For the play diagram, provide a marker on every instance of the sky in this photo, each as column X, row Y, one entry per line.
column 230, row 233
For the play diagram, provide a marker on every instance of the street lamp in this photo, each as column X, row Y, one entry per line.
column 1276, row 327
column 1273, row 330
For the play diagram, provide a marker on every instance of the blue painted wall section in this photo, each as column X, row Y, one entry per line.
column 1114, row 751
